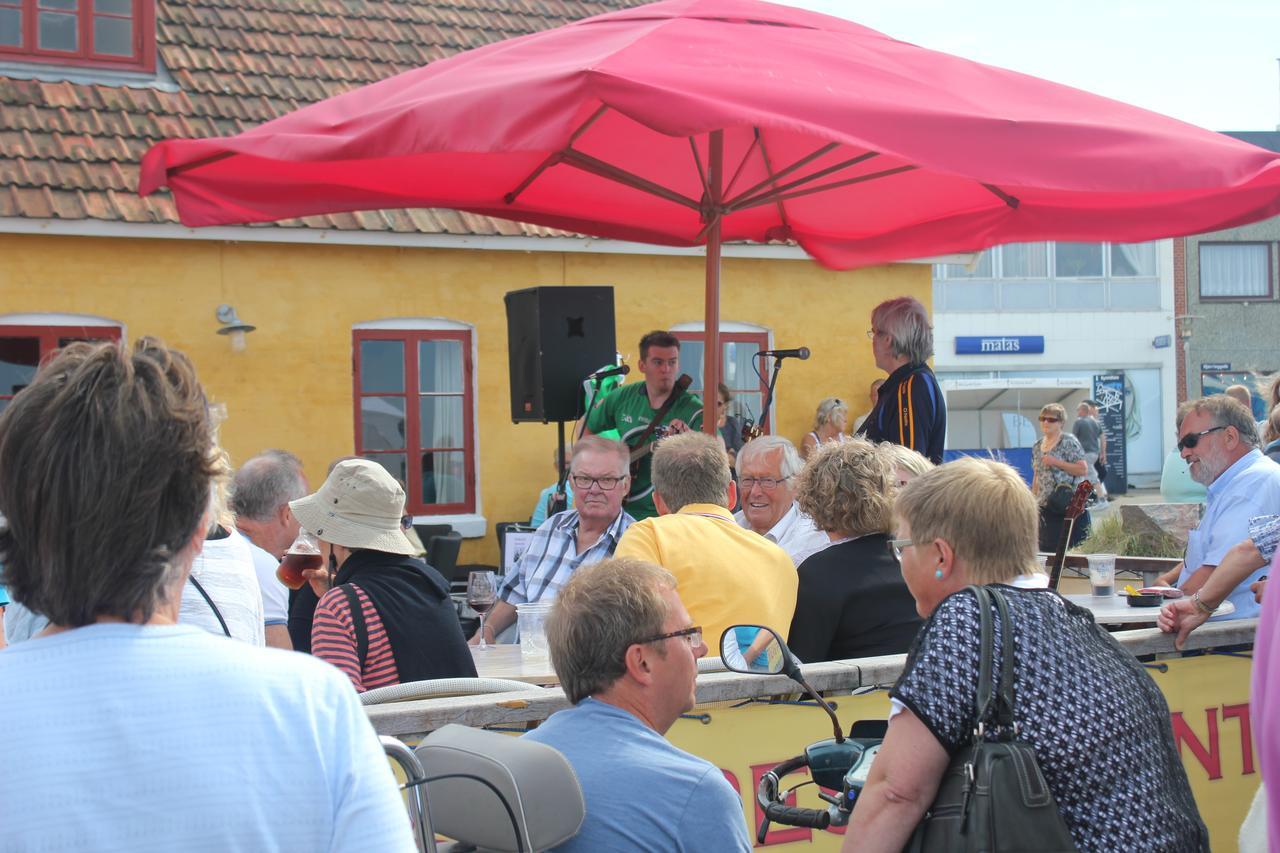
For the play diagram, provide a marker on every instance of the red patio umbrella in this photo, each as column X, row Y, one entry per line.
column 691, row 122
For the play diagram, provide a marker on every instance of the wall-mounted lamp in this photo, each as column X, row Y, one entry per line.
column 1183, row 323
column 232, row 325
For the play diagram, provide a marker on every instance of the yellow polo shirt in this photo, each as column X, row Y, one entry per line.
column 725, row 574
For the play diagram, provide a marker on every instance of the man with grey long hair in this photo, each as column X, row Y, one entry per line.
column 911, row 410
column 767, row 467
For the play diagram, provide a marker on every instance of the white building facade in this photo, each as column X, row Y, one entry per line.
column 1055, row 311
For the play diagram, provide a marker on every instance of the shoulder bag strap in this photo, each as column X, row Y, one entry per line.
column 1004, row 694
column 357, row 622
column 212, row 606
column 985, row 645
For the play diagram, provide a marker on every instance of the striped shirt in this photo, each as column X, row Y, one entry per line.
column 333, row 639
column 552, row 557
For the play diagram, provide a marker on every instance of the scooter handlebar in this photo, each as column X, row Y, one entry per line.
column 779, row 812
column 797, row 816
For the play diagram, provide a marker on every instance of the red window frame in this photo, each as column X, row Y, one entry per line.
column 142, row 58
column 761, row 339
column 50, row 338
column 412, row 449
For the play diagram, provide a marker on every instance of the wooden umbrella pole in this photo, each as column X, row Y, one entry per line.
column 711, row 350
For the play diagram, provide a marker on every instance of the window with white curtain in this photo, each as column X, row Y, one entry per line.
column 1133, row 260
column 981, row 268
column 1024, row 260
column 1077, row 260
column 1235, row 270
column 737, row 368
column 414, row 413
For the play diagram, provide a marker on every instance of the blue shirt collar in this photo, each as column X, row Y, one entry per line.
column 1225, row 478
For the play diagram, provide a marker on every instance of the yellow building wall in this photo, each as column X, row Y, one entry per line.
column 292, row 386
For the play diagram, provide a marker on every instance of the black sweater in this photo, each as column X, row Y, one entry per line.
column 852, row 603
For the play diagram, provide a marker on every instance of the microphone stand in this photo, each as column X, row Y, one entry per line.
column 768, row 397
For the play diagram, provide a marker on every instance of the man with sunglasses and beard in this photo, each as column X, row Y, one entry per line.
column 1219, row 441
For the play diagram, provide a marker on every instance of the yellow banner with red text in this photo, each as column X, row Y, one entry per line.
column 1208, row 703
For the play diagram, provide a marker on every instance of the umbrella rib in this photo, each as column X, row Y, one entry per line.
column 768, row 167
column 196, row 164
column 743, row 202
column 824, row 187
column 1012, row 201
column 554, row 157
column 772, row 179
column 742, row 164
column 702, row 173
column 590, row 164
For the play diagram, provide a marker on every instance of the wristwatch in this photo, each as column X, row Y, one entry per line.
column 1200, row 605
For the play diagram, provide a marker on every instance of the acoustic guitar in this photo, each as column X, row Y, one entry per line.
column 1078, row 501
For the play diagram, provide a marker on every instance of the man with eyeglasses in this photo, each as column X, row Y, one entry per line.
column 1218, row 438
column 767, row 467
column 626, row 653
column 586, row 534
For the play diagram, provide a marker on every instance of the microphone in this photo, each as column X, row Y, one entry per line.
column 620, row 370
column 801, row 353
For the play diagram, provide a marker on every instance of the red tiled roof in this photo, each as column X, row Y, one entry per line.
column 71, row 150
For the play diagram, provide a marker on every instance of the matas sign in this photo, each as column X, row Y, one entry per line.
column 999, row 345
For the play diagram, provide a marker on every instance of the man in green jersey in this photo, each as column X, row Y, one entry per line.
column 631, row 408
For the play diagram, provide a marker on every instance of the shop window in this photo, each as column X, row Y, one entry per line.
column 738, row 364
column 100, row 33
column 1235, row 270
column 1077, row 260
column 1133, row 260
column 415, row 413
column 23, row 347
column 1024, row 260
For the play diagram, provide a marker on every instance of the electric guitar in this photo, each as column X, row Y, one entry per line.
column 1077, row 505
column 656, row 429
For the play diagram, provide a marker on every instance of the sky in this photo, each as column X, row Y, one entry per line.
column 1209, row 63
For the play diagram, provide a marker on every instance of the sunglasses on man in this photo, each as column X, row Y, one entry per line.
column 1191, row 439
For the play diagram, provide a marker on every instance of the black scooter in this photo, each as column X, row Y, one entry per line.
column 839, row 764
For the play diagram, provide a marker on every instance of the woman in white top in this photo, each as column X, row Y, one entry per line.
column 222, row 594
column 828, row 425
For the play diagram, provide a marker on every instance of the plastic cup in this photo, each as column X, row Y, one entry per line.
column 1102, row 575
column 532, row 619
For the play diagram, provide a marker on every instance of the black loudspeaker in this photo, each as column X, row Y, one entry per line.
column 555, row 337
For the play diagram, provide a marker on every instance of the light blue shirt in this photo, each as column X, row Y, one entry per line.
column 1249, row 488
column 544, row 502
column 161, row 738
column 641, row 792
column 4, row 597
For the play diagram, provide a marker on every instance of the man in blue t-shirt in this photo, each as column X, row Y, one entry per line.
column 627, row 658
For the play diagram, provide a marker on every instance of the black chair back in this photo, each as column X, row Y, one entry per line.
column 442, row 553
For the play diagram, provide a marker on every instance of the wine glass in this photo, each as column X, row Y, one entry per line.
column 482, row 592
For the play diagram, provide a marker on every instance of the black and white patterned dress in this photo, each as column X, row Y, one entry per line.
column 1099, row 724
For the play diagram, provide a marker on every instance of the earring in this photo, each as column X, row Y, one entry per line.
column 938, row 573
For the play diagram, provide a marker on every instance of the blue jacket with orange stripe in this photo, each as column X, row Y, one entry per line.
column 911, row 412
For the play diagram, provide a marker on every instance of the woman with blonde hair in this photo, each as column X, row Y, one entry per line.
column 908, row 464
column 971, row 522
column 1271, row 434
column 829, row 423
column 852, row 601
column 1058, row 463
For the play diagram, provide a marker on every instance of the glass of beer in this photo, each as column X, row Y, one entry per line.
column 303, row 554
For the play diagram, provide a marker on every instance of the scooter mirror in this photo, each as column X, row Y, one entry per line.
column 753, row 649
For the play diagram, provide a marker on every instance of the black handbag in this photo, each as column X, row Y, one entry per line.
column 993, row 796
column 1059, row 499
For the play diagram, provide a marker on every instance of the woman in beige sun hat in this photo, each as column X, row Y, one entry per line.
column 384, row 616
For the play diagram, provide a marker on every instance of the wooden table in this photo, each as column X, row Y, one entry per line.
column 504, row 661
column 1116, row 610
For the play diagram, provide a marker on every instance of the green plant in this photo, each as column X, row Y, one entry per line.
column 1108, row 536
